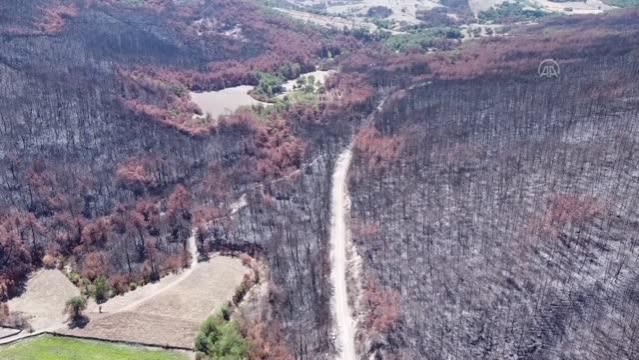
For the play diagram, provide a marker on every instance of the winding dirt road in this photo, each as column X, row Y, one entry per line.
column 340, row 204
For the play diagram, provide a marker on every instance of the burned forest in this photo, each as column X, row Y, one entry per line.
column 489, row 212
column 496, row 211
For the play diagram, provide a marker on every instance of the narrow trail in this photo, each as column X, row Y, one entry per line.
column 340, row 204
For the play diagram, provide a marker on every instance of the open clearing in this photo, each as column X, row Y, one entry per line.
column 319, row 76
column 403, row 10
column 48, row 347
column 577, row 7
column 173, row 315
column 329, row 21
column 44, row 298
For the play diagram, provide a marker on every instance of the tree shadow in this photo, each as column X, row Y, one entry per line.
column 78, row 322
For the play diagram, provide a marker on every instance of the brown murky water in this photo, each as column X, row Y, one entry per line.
column 224, row 102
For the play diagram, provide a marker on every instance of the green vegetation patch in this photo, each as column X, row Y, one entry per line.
column 307, row 90
column 422, row 39
column 220, row 339
column 270, row 84
column 622, row 3
column 512, row 12
column 49, row 347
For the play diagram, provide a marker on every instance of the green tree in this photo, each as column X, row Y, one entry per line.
column 75, row 306
column 101, row 291
column 269, row 84
column 221, row 340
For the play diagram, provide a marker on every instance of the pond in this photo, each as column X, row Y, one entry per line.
column 224, row 102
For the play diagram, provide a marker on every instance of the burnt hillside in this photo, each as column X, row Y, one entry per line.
column 66, row 133
column 496, row 211
column 103, row 169
column 97, row 157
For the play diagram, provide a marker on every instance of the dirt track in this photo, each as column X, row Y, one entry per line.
column 339, row 235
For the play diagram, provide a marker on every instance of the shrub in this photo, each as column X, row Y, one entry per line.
column 225, row 312
column 75, row 278
column 16, row 320
column 240, row 292
column 266, row 341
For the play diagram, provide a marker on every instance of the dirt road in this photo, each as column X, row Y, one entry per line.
column 345, row 325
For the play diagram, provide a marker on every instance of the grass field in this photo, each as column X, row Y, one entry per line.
column 49, row 347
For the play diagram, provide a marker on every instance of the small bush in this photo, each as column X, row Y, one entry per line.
column 75, row 278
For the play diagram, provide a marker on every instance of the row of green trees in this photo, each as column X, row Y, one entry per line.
column 220, row 339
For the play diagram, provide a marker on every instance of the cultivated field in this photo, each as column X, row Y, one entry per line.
column 171, row 315
column 47, row 347
column 43, row 299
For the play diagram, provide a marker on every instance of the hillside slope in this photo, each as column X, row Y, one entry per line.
column 495, row 210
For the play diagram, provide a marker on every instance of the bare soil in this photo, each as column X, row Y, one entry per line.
column 44, row 298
